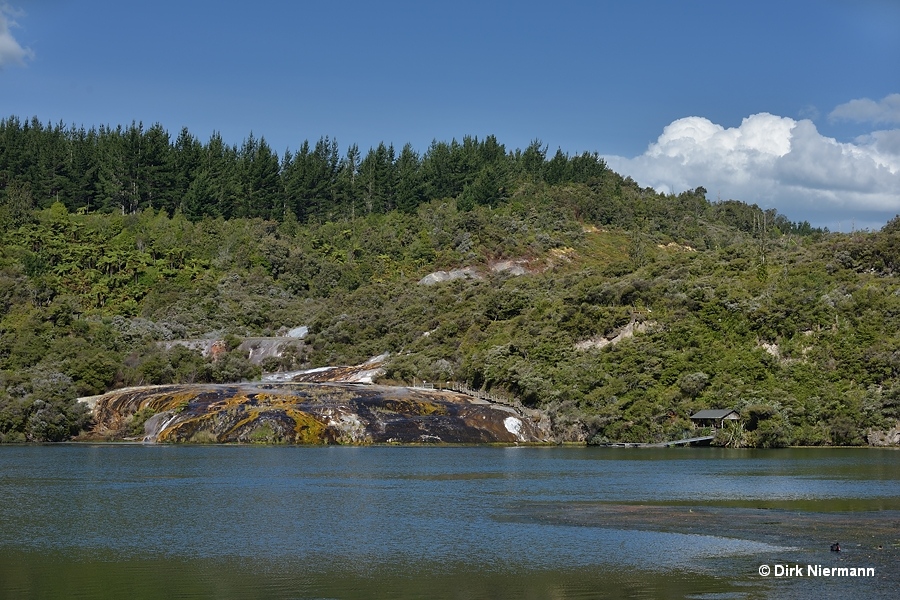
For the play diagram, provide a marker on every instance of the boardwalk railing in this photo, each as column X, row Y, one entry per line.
column 687, row 441
column 669, row 444
column 492, row 396
column 464, row 388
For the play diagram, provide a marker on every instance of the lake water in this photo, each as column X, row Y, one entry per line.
column 136, row 521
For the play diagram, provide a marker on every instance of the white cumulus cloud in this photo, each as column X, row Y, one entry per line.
column 864, row 110
column 11, row 52
column 777, row 162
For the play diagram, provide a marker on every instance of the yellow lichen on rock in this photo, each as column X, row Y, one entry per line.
column 307, row 429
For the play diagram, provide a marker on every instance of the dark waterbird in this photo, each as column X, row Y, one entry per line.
column 835, row 547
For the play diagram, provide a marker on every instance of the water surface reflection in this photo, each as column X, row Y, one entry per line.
column 470, row 522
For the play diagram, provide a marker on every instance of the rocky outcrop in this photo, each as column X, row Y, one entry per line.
column 891, row 437
column 367, row 372
column 442, row 276
column 510, row 267
column 256, row 349
column 613, row 339
column 515, row 268
column 306, row 413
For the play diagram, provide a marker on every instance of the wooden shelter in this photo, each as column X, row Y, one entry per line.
column 714, row 417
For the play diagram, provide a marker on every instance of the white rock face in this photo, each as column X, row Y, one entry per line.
column 352, row 429
column 298, row 332
column 511, row 267
column 441, row 276
column 623, row 334
column 890, row 437
column 289, row 375
column 514, row 426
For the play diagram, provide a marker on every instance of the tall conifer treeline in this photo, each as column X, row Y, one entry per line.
column 128, row 169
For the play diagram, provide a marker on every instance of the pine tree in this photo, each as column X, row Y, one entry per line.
column 186, row 156
column 378, row 177
column 409, row 180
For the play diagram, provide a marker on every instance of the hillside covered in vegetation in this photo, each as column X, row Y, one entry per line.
column 618, row 310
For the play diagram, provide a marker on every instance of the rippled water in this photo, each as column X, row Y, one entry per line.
column 112, row 521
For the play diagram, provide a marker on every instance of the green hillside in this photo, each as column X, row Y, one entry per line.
column 618, row 310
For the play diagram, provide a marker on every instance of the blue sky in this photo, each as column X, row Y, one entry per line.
column 793, row 105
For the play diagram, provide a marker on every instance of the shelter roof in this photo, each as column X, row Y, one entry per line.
column 715, row 413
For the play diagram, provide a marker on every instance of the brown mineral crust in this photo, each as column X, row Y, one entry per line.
column 310, row 413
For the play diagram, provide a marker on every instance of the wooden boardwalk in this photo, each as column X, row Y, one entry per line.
column 684, row 442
